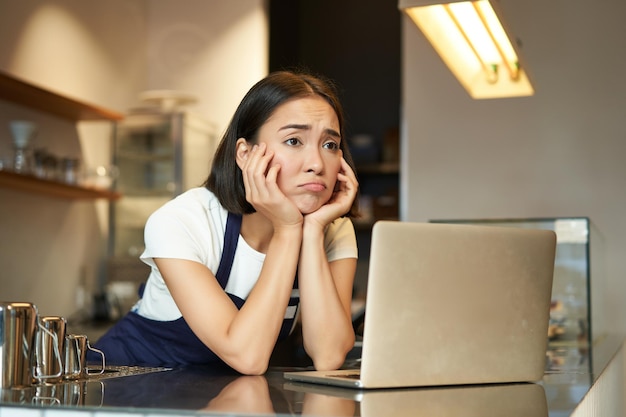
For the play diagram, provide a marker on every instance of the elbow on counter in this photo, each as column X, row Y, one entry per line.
column 252, row 370
column 249, row 364
column 328, row 364
column 332, row 360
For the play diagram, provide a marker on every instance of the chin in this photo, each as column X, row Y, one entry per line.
column 308, row 210
column 308, row 207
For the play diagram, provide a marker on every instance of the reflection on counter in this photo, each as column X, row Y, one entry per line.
column 528, row 400
column 570, row 373
column 207, row 391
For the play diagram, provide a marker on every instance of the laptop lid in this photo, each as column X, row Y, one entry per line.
column 452, row 304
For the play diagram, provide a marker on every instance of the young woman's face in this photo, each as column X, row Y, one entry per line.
column 304, row 133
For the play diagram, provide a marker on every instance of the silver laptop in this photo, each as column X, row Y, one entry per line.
column 451, row 304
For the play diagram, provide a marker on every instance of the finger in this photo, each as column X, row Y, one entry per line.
column 261, row 172
column 346, row 192
column 251, row 169
column 347, row 170
column 347, row 181
column 272, row 174
column 257, row 171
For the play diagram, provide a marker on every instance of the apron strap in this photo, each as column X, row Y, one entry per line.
column 231, row 237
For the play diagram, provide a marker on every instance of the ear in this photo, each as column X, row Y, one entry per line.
column 242, row 150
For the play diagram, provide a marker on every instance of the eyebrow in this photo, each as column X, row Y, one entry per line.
column 328, row 131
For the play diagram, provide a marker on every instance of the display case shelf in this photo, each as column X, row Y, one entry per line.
column 34, row 185
column 159, row 156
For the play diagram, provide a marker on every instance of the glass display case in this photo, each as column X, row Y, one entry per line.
column 158, row 155
column 570, row 321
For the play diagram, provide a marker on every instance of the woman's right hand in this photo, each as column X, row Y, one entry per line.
column 259, row 178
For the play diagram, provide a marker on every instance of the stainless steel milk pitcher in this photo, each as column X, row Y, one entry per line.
column 75, row 358
column 19, row 325
column 18, row 322
column 50, row 343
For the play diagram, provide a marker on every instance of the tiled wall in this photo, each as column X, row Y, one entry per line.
column 607, row 397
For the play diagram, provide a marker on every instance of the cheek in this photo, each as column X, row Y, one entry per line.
column 333, row 164
column 286, row 168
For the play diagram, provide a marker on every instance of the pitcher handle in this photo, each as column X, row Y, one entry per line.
column 57, row 354
column 101, row 371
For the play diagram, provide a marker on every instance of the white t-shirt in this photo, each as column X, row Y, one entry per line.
column 191, row 227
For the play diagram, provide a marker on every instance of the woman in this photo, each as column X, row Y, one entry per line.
column 267, row 239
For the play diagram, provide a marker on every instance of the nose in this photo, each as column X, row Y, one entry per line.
column 314, row 161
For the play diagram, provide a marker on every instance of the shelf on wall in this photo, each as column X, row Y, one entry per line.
column 34, row 185
column 18, row 91
column 26, row 94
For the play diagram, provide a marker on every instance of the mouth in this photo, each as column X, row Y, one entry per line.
column 315, row 187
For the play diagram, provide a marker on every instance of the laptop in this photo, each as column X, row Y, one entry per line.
column 451, row 304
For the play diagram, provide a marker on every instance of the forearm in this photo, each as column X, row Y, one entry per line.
column 324, row 302
column 245, row 338
column 254, row 330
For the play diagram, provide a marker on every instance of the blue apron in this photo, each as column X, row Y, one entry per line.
column 136, row 340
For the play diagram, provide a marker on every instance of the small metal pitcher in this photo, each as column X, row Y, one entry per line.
column 49, row 345
column 75, row 366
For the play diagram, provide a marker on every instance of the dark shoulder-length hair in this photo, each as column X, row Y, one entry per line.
column 225, row 179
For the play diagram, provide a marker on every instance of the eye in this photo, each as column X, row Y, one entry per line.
column 293, row 141
column 332, row 145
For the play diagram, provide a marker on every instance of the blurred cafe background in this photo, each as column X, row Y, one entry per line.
column 108, row 109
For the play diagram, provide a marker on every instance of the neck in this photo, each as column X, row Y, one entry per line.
column 257, row 231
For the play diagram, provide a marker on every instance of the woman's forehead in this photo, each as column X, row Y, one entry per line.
column 302, row 109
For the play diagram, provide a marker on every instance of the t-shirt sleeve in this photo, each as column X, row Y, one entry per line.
column 340, row 240
column 178, row 233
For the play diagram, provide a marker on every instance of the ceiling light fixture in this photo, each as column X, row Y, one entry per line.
column 473, row 43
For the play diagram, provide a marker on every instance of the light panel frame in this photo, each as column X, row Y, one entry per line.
column 484, row 67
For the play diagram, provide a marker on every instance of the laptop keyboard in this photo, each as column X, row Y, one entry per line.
column 350, row 376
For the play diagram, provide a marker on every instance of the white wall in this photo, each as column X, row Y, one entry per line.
column 106, row 53
column 213, row 49
column 558, row 153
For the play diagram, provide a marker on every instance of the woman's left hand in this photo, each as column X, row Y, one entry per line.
column 341, row 200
